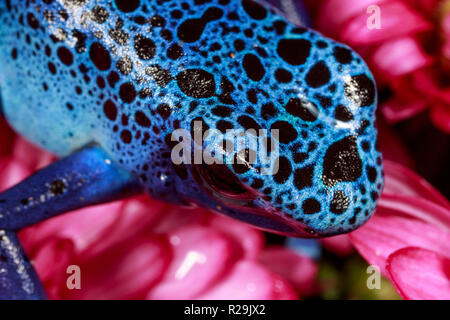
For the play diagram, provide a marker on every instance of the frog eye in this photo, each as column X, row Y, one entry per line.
column 222, row 182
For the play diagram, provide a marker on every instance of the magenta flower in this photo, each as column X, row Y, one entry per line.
column 409, row 236
column 410, row 53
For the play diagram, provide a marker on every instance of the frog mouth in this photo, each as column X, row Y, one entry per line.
column 222, row 184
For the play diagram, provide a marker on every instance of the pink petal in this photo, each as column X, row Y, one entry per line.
column 85, row 227
column 400, row 56
column 420, row 274
column 134, row 216
column 399, row 180
column 200, row 257
column 395, row 110
column 300, row 271
column 250, row 281
column 30, row 155
column 176, row 217
column 127, row 271
column 391, row 229
column 334, row 13
column 12, row 173
column 397, row 19
column 244, row 237
column 418, row 208
column 440, row 115
column 339, row 245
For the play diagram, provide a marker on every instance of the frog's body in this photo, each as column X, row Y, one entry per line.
column 125, row 74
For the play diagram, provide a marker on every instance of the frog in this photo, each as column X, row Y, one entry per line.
column 106, row 84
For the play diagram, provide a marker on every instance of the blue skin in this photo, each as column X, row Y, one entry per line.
column 115, row 78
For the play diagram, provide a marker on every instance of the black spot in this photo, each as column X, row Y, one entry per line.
column 51, row 68
column 244, row 160
column 119, row 36
column 284, row 170
column 343, row 55
column 283, row 76
column 161, row 76
column 127, row 92
column 32, row 21
column 174, row 52
column 253, row 67
column 342, row 162
column 126, row 136
column 286, row 131
column 319, row 75
column 254, row 9
column 299, row 157
column 268, row 111
column 339, row 203
column 110, row 110
column 57, row 187
column 371, row 174
column 361, row 90
column 305, row 110
column 127, row 5
column 141, row 119
column 164, row 110
column 100, row 56
column 222, row 111
column 157, row 21
column 249, row 123
column 145, row 47
column 191, row 30
column 100, row 14
column 125, row 65
column 196, row 83
column 343, row 114
column 294, row 51
column 223, row 126
column 311, row 206
column 239, row 45
column 303, row 177
column 14, row 53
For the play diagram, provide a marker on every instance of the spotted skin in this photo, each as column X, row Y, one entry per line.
column 126, row 74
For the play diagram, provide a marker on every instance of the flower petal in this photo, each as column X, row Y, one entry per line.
column 334, row 13
column 397, row 19
column 127, row 271
column 400, row 180
column 244, row 237
column 339, row 245
column 299, row 270
column 420, row 274
column 200, row 256
column 399, row 56
column 391, row 229
column 440, row 115
column 250, row 281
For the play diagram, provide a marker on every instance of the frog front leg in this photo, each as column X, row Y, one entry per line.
column 18, row 279
column 84, row 178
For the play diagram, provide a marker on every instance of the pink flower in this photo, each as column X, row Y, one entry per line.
column 410, row 53
column 409, row 236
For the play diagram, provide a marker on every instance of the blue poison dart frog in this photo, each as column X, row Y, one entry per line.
column 104, row 84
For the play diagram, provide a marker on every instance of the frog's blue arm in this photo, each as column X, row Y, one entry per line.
column 18, row 279
column 84, row 178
